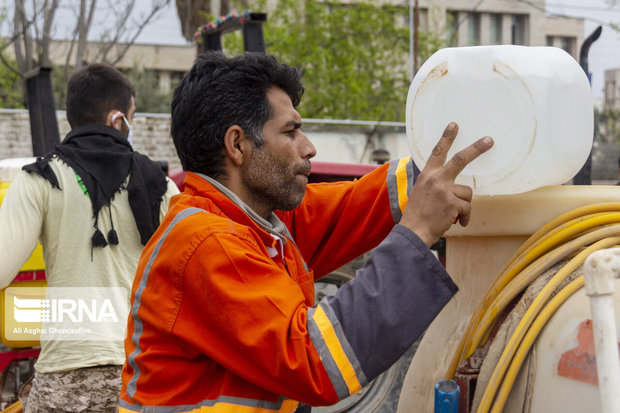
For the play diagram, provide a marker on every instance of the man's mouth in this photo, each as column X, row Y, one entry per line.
column 305, row 171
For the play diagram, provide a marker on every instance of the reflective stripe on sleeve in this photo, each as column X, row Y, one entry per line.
column 337, row 356
column 399, row 182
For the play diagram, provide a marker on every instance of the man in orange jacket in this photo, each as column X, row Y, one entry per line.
column 222, row 315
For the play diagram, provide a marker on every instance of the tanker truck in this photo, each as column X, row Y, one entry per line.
column 519, row 335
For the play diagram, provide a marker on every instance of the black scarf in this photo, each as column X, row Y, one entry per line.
column 103, row 158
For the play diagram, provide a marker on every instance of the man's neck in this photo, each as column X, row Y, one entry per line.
column 259, row 207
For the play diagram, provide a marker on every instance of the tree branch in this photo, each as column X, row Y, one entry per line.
column 157, row 6
column 48, row 21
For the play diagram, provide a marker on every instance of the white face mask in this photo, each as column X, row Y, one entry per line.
column 129, row 127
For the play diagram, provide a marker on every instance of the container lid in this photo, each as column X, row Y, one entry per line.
column 502, row 92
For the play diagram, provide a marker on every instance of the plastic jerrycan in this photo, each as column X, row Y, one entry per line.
column 535, row 102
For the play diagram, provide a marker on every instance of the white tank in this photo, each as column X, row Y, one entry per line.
column 559, row 378
column 565, row 359
column 535, row 102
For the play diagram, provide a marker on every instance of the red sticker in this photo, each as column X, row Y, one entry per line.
column 579, row 363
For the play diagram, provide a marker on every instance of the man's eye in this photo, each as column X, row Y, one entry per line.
column 290, row 133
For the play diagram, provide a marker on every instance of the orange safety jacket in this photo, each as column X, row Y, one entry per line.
column 222, row 315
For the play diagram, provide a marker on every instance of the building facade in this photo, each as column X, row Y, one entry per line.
column 460, row 22
column 496, row 22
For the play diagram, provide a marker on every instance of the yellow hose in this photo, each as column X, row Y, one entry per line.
column 529, row 274
column 531, row 313
column 16, row 407
column 566, row 227
column 567, row 231
column 567, row 216
column 528, row 341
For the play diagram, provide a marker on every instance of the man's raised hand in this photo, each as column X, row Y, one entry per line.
column 436, row 201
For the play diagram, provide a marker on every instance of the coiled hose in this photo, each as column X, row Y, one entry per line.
column 572, row 236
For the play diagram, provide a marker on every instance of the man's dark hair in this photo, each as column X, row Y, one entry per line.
column 219, row 92
column 95, row 90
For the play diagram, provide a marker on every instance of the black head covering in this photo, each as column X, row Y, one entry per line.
column 103, row 158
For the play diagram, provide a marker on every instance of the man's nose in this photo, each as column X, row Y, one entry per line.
column 307, row 151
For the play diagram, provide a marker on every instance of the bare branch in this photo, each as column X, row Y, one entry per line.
column 33, row 23
column 119, row 30
column 23, row 56
column 82, row 31
column 157, row 6
column 48, row 22
column 35, row 26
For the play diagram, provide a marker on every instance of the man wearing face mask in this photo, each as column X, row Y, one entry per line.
column 93, row 203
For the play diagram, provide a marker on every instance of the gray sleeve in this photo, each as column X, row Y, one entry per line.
column 392, row 300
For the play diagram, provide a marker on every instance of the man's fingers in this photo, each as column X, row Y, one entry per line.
column 464, row 218
column 440, row 152
column 463, row 192
column 464, row 212
column 461, row 159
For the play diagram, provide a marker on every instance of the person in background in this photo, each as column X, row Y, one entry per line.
column 93, row 203
column 222, row 312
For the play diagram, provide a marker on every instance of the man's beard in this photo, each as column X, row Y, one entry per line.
column 274, row 182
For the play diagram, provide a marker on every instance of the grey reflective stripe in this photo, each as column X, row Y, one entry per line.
column 334, row 373
column 346, row 347
column 236, row 401
column 410, row 176
column 129, row 406
column 326, row 358
column 137, row 323
column 392, row 186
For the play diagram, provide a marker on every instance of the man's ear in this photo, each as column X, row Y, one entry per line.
column 114, row 119
column 237, row 145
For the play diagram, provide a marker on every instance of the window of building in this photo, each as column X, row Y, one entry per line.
column 610, row 93
column 519, row 29
column 495, row 28
column 549, row 40
column 568, row 44
column 473, row 29
column 423, row 19
column 452, row 33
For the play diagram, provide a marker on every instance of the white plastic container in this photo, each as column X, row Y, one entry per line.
column 535, row 102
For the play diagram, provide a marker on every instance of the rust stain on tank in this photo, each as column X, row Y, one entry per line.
column 438, row 72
